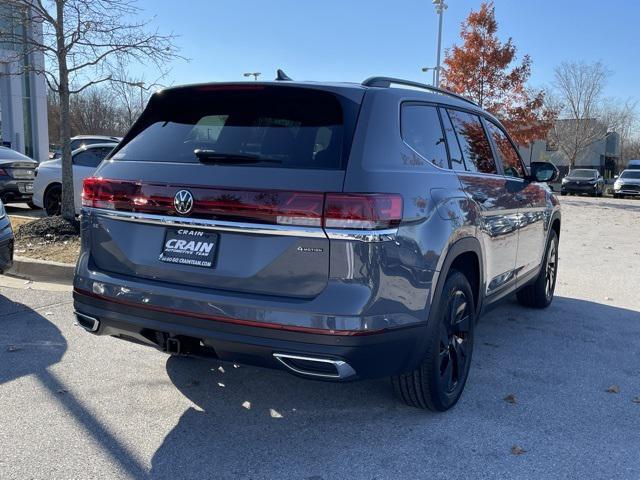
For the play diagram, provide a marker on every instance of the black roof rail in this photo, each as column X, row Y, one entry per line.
column 386, row 82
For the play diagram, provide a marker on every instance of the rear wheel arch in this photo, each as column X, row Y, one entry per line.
column 555, row 224
column 49, row 187
column 465, row 256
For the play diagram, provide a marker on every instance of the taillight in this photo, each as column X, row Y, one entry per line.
column 109, row 194
column 308, row 209
column 362, row 211
column 3, row 173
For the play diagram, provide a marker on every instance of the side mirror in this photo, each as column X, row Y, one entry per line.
column 543, row 172
column 615, row 177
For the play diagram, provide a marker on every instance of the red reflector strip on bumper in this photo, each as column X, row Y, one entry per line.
column 217, row 318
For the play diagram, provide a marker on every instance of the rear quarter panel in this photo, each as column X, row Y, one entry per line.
column 436, row 211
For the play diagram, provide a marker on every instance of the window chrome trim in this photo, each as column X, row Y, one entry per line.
column 216, row 225
column 367, row 236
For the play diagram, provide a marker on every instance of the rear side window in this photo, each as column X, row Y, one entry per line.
column 87, row 158
column 421, row 130
column 510, row 159
column 280, row 126
column 473, row 142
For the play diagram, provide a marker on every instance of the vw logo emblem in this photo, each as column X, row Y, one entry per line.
column 183, row 202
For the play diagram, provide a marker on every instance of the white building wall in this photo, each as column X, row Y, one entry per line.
column 12, row 101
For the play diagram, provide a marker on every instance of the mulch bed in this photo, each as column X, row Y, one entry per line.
column 51, row 238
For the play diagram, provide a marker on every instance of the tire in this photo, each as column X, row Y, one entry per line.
column 539, row 294
column 33, row 206
column 563, row 193
column 439, row 381
column 53, row 200
column 615, row 195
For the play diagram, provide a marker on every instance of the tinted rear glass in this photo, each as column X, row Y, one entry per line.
column 8, row 154
column 288, row 127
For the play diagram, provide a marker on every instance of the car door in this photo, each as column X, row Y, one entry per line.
column 531, row 198
column 84, row 164
column 487, row 188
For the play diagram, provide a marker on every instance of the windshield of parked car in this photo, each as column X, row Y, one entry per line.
column 583, row 173
column 630, row 174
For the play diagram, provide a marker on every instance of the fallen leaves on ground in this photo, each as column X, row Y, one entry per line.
column 613, row 389
column 517, row 450
column 13, row 348
column 511, row 398
column 274, row 414
column 636, row 400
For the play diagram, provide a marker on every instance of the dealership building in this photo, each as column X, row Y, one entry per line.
column 23, row 93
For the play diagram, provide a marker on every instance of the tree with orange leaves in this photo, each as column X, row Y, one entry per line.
column 482, row 69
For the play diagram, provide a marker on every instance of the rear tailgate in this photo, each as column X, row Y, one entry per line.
column 251, row 227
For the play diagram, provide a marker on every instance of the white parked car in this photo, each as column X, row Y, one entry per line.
column 47, row 186
column 83, row 141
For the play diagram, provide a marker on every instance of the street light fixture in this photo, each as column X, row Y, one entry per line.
column 433, row 75
column 440, row 8
column 255, row 75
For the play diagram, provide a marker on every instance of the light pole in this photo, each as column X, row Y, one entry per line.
column 140, row 85
column 255, row 75
column 440, row 8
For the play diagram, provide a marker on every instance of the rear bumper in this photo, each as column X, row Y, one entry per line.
column 12, row 191
column 368, row 355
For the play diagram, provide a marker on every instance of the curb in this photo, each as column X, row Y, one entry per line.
column 42, row 270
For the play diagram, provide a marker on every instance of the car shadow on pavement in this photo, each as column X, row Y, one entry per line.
column 29, row 342
column 29, row 345
column 249, row 422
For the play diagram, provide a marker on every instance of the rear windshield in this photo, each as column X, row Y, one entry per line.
column 8, row 154
column 287, row 127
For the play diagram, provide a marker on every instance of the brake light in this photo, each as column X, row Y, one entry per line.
column 109, row 194
column 3, row 173
column 308, row 209
column 362, row 211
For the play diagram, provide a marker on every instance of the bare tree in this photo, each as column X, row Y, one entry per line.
column 83, row 41
column 586, row 116
column 132, row 93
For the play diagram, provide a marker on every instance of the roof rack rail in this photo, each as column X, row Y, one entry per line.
column 386, row 82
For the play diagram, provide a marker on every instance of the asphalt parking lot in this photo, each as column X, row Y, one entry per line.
column 76, row 406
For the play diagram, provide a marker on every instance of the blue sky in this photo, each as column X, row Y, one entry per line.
column 353, row 39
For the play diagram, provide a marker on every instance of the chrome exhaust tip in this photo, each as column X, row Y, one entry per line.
column 316, row 367
column 90, row 324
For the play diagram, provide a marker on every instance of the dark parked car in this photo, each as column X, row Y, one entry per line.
column 583, row 180
column 338, row 231
column 628, row 183
column 6, row 241
column 16, row 176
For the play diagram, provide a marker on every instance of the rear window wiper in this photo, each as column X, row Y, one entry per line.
column 211, row 156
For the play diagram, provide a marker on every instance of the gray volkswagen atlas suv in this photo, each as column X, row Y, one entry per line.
column 337, row 231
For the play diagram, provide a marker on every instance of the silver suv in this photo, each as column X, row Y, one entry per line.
column 337, row 231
